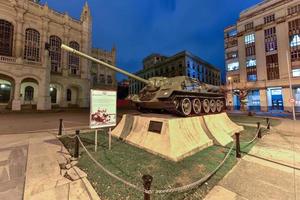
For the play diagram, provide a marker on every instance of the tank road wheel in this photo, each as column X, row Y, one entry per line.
column 186, row 106
column 219, row 105
column 213, row 106
column 176, row 103
column 197, row 106
column 206, row 106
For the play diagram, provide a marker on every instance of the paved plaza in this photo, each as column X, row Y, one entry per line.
column 271, row 171
column 30, row 155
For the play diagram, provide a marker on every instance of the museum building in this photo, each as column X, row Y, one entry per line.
column 31, row 77
column 261, row 51
column 183, row 63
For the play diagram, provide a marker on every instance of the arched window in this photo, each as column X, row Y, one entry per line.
column 32, row 45
column 69, row 95
column 74, row 59
column 53, row 94
column 55, row 53
column 28, row 93
column 6, row 38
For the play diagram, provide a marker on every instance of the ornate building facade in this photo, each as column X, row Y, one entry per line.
column 181, row 64
column 262, row 50
column 29, row 75
column 102, row 77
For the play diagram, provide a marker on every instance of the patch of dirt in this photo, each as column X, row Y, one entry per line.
column 188, row 176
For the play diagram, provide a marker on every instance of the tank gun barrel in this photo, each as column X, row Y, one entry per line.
column 69, row 49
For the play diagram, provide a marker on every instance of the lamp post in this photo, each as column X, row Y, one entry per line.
column 290, row 83
column 231, row 92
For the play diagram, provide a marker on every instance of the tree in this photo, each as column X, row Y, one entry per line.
column 242, row 94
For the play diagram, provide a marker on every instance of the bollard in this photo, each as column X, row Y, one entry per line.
column 60, row 127
column 237, row 145
column 268, row 123
column 258, row 129
column 147, row 180
column 76, row 149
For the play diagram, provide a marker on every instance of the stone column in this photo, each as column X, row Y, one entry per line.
column 263, row 100
column 242, row 58
column 260, row 55
column 44, row 100
column 83, row 95
column 63, row 97
column 16, row 103
column 19, row 41
column 65, row 54
column 283, row 47
column 45, row 38
column 286, row 95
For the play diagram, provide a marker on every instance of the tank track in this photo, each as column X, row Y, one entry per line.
column 177, row 110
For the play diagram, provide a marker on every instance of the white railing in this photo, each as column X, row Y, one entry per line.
column 7, row 59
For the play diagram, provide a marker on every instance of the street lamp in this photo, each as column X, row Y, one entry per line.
column 290, row 83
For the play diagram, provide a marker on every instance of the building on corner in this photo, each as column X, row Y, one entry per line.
column 258, row 50
column 103, row 77
column 32, row 77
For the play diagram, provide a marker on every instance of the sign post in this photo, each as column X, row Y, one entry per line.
column 290, row 83
column 103, row 111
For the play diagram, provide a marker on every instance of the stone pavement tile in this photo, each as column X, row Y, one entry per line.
column 221, row 193
column 297, row 184
column 255, row 181
column 42, row 185
column 75, row 190
column 12, row 172
column 278, row 148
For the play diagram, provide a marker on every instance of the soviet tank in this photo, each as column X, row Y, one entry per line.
column 180, row 95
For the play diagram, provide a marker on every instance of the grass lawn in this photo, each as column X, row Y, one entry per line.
column 132, row 163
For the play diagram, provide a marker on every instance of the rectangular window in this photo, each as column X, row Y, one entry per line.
column 232, row 66
column 294, row 9
column 269, row 18
column 251, row 63
column 249, row 26
column 272, row 67
column 250, row 50
column 296, row 72
column 270, row 39
column 102, row 78
column 232, row 55
column 109, row 79
column 295, row 40
column 294, row 33
column 231, row 33
column 250, row 38
column 251, row 77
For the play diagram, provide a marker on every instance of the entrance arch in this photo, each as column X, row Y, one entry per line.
column 72, row 95
column 7, row 84
column 29, row 93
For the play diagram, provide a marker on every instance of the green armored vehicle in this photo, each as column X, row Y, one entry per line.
column 180, row 95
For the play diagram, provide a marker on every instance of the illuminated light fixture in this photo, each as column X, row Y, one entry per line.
column 229, row 78
column 3, row 86
column 51, row 89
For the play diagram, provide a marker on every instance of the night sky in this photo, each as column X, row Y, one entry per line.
column 141, row 27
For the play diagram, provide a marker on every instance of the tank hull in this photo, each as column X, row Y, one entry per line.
column 172, row 104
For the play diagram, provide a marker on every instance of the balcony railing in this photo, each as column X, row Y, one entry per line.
column 7, row 59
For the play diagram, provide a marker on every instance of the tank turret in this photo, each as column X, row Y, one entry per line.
column 181, row 95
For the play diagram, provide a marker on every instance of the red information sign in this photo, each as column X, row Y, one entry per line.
column 292, row 100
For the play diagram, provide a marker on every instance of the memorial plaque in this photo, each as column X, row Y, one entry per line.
column 155, row 126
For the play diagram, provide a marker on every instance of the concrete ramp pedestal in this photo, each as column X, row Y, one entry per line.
column 221, row 128
column 175, row 138
column 167, row 136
